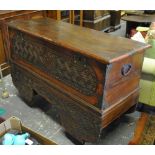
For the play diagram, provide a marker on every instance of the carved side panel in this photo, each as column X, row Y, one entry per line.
column 78, row 121
column 71, row 69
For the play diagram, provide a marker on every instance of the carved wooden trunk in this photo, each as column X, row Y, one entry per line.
column 92, row 77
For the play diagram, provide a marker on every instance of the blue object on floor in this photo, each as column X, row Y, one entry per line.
column 11, row 139
column 2, row 111
column 8, row 139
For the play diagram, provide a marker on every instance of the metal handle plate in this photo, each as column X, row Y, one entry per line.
column 126, row 69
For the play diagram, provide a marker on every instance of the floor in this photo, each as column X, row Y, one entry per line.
column 44, row 119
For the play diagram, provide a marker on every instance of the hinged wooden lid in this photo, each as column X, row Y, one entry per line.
column 94, row 44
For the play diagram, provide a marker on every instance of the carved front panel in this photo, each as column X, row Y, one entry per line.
column 72, row 69
column 77, row 120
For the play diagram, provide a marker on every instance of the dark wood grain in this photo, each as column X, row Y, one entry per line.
column 83, row 76
column 116, row 110
column 114, row 70
column 77, row 117
column 100, row 24
column 91, row 77
column 2, row 54
column 94, row 14
column 100, row 46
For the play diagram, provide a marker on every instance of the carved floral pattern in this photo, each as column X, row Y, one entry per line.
column 73, row 70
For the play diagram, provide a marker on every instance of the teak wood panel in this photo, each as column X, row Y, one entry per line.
column 80, row 75
column 116, row 93
column 94, row 14
column 114, row 71
column 81, row 121
column 94, row 44
column 24, row 79
column 2, row 54
column 18, row 71
column 116, row 110
column 69, row 65
column 94, row 100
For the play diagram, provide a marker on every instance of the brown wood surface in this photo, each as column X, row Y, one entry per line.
column 2, row 54
column 116, row 93
column 99, row 24
column 77, row 69
column 64, row 63
column 41, row 139
column 94, row 14
column 51, row 87
column 81, row 17
column 76, row 116
column 94, row 100
column 24, row 15
column 9, row 15
column 116, row 110
column 52, row 14
column 114, row 75
column 103, row 47
column 115, row 17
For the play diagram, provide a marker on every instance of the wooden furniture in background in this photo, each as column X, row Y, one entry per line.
column 5, row 17
column 81, row 17
column 73, row 16
column 91, row 77
column 102, row 20
column 134, row 21
column 96, row 19
column 115, row 19
column 55, row 14
column 67, row 15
